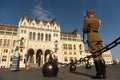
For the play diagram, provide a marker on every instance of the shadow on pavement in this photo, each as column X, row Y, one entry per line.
column 84, row 74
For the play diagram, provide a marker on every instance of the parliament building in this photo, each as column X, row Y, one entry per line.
column 44, row 37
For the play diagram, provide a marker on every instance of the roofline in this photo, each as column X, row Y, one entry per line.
column 7, row 25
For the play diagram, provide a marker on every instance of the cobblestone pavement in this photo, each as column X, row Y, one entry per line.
column 113, row 73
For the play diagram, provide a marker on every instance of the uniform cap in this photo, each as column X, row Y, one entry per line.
column 90, row 11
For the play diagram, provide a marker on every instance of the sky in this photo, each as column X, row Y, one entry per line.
column 69, row 15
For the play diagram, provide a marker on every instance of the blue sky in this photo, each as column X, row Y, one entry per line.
column 69, row 15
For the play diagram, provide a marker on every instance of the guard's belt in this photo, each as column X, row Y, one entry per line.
column 92, row 31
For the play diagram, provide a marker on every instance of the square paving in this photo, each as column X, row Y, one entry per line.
column 113, row 73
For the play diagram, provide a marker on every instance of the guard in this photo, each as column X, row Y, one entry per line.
column 94, row 40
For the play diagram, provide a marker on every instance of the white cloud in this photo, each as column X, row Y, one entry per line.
column 40, row 13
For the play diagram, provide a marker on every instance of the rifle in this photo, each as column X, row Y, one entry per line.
column 106, row 48
column 84, row 15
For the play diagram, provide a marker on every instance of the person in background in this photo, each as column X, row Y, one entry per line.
column 38, row 59
column 94, row 40
column 28, row 63
column 15, row 60
column 25, row 61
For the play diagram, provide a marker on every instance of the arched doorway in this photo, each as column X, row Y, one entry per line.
column 39, row 53
column 30, row 55
column 30, row 52
column 47, row 52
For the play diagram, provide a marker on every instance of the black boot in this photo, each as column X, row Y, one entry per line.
column 98, row 70
column 103, row 69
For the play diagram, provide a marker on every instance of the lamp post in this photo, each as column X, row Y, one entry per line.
column 55, row 50
column 56, row 45
column 21, row 42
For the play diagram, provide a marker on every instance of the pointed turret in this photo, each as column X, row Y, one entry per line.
column 54, row 21
column 25, row 16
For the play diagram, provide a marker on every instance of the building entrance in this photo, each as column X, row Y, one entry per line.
column 47, row 54
column 30, row 56
column 39, row 56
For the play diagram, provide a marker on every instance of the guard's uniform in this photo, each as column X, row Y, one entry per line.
column 91, row 28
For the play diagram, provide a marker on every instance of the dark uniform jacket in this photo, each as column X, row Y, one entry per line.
column 91, row 27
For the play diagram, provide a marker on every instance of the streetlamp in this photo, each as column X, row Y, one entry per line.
column 56, row 45
column 21, row 42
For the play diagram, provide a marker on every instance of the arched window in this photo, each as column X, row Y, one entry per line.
column 80, row 47
column 30, row 35
column 0, row 42
column 66, row 46
column 42, row 36
column 49, row 37
column 34, row 36
column 11, row 57
column 46, row 37
column 38, row 36
column 74, row 47
column 63, row 46
column 8, row 42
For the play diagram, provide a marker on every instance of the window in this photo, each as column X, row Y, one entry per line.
column 38, row 36
column 42, row 36
column 64, row 46
column 5, row 41
column 8, row 42
column 21, row 50
column 30, row 35
column 65, row 59
column 70, row 46
column 14, row 43
column 11, row 57
column 48, row 26
column 55, row 28
column 21, row 58
column 54, row 34
column 4, row 58
column 70, row 53
column 46, row 37
column 0, row 42
column 75, row 58
column 74, row 47
column 80, row 52
column 34, row 36
column 33, row 24
column 21, row 31
column 74, row 53
column 24, row 31
column 65, row 53
column 5, row 50
column 24, row 24
column 71, row 58
column 12, row 51
column 49, row 37
column 80, row 47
